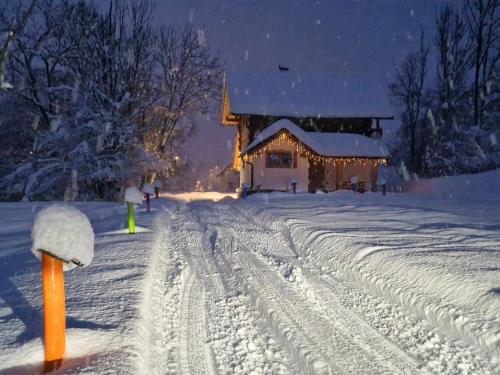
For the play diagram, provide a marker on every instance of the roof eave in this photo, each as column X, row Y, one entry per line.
column 269, row 139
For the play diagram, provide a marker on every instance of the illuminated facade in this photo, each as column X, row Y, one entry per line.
column 288, row 138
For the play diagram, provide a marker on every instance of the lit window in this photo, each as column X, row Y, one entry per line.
column 279, row 159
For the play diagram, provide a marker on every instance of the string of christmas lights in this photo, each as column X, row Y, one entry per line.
column 284, row 138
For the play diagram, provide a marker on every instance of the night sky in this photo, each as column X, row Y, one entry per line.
column 367, row 36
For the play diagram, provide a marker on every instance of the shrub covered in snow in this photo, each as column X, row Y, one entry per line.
column 133, row 195
column 65, row 233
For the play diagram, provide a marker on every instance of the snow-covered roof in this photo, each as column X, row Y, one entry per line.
column 307, row 95
column 325, row 144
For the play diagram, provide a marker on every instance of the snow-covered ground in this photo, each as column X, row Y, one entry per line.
column 274, row 284
column 101, row 299
column 198, row 196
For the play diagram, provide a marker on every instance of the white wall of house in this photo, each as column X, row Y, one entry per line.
column 280, row 178
column 277, row 178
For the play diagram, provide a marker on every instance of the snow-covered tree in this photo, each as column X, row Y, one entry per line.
column 42, row 99
column 93, row 104
column 13, row 18
column 449, row 149
column 461, row 127
column 115, row 68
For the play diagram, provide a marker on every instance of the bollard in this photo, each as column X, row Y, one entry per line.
column 63, row 239
column 239, row 193
column 148, row 203
column 383, row 189
column 294, row 187
column 157, row 192
column 131, row 220
column 54, row 311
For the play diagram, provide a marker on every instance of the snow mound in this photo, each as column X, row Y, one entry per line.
column 148, row 189
column 64, row 232
column 133, row 195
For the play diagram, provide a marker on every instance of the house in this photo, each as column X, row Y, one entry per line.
column 318, row 131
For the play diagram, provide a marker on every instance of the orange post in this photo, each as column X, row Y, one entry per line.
column 54, row 312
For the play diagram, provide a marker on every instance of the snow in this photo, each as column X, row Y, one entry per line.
column 197, row 196
column 101, row 299
column 80, row 344
column 276, row 283
column 64, row 232
column 133, row 195
column 307, row 94
column 148, row 189
column 6, row 85
column 325, row 144
column 158, row 184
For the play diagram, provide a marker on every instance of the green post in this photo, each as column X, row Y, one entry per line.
column 131, row 221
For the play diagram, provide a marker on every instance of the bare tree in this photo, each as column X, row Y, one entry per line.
column 484, row 29
column 408, row 91
column 453, row 64
column 189, row 77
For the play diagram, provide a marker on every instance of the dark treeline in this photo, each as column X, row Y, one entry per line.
column 96, row 99
column 451, row 116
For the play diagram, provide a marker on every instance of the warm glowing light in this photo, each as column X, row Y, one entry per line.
column 284, row 138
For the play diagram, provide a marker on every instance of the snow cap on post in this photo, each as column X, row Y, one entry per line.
column 133, row 195
column 65, row 233
column 148, row 189
column 158, row 184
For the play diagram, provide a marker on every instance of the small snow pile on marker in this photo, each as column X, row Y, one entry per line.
column 65, row 233
column 133, row 195
column 158, row 184
column 148, row 189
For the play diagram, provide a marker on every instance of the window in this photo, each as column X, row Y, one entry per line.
column 279, row 159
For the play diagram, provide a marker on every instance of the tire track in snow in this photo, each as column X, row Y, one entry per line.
column 450, row 343
column 302, row 327
column 194, row 356
column 326, row 297
column 235, row 344
column 157, row 333
column 435, row 352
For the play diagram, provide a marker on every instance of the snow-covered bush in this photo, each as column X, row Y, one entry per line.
column 65, row 233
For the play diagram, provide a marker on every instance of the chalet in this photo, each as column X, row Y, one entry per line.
column 317, row 131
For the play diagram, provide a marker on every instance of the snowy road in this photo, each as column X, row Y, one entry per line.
column 253, row 299
column 337, row 283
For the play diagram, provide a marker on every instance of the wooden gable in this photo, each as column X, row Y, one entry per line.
column 227, row 118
